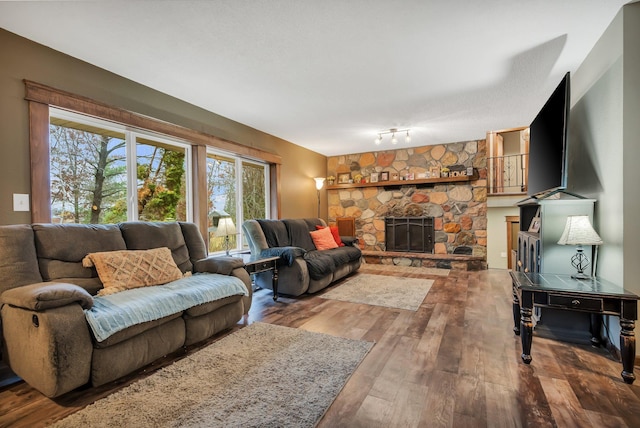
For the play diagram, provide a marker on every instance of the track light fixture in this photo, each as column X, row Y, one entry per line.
column 393, row 132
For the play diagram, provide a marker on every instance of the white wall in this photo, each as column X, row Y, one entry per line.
column 631, row 158
column 604, row 152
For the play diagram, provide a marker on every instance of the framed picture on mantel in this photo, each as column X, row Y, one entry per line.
column 343, row 178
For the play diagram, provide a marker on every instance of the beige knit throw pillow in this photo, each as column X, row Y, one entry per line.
column 126, row 269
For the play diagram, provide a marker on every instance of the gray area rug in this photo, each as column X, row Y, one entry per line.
column 382, row 290
column 260, row 376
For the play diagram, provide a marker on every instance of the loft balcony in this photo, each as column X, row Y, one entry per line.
column 507, row 175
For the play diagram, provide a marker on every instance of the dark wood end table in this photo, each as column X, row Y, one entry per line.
column 254, row 265
column 594, row 295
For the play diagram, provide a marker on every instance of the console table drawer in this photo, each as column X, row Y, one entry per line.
column 570, row 302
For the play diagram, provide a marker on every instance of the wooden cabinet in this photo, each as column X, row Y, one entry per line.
column 539, row 252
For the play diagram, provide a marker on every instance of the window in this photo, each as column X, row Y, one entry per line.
column 162, row 185
column 235, row 196
column 91, row 175
column 95, row 165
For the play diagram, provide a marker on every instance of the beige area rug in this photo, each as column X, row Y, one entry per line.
column 407, row 269
column 382, row 290
column 260, row 376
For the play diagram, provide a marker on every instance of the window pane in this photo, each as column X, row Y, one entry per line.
column 253, row 191
column 161, row 181
column 87, row 173
column 221, row 188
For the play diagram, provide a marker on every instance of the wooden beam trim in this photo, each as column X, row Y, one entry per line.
column 37, row 92
column 39, row 158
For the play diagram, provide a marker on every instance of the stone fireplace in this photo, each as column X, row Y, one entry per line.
column 458, row 209
column 409, row 234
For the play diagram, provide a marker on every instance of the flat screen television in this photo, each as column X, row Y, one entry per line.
column 548, row 143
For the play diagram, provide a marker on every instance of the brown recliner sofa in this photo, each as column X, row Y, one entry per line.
column 302, row 268
column 46, row 291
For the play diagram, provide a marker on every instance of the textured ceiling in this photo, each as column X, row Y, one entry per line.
column 328, row 75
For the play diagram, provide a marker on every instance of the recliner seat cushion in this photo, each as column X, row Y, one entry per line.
column 325, row 262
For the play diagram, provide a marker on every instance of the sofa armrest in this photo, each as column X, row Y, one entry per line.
column 47, row 295
column 287, row 254
column 350, row 240
column 233, row 266
column 51, row 350
column 221, row 265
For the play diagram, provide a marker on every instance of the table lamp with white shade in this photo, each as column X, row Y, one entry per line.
column 578, row 231
column 226, row 228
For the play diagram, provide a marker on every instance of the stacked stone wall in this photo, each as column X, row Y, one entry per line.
column 459, row 208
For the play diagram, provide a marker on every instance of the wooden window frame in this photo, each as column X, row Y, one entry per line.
column 40, row 97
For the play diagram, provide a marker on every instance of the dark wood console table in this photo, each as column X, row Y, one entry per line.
column 595, row 296
column 254, row 265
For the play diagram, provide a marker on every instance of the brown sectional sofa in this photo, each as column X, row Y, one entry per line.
column 46, row 291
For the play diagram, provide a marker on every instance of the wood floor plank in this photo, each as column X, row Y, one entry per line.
column 501, row 405
column 392, row 375
column 408, row 406
column 470, row 398
column 565, row 406
column 374, row 412
column 440, row 403
column 601, row 420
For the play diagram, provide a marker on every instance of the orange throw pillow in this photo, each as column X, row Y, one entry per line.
column 323, row 239
column 335, row 233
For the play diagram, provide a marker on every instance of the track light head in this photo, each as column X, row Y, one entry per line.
column 393, row 132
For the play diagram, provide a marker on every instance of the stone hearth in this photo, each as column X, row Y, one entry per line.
column 441, row 261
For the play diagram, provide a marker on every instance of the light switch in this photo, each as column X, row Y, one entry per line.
column 20, row 202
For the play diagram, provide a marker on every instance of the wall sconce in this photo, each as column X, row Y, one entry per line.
column 578, row 231
column 319, row 185
column 393, row 132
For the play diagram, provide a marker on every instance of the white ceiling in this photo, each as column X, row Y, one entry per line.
column 328, row 75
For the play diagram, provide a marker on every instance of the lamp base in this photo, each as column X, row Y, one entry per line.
column 580, row 262
column 580, row 275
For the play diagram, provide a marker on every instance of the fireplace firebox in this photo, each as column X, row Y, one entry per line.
column 409, row 234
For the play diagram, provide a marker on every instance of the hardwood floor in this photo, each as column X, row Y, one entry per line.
column 453, row 363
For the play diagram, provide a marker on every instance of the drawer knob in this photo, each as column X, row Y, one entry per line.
column 575, row 302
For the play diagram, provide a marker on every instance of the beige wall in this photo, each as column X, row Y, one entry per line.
column 497, row 236
column 22, row 59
